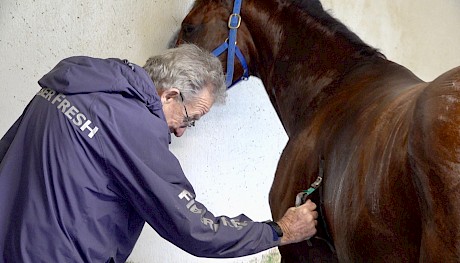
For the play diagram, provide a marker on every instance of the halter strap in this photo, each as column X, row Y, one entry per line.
column 234, row 22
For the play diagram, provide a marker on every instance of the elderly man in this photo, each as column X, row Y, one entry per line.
column 87, row 164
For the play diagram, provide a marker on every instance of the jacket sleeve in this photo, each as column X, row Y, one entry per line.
column 151, row 178
column 7, row 139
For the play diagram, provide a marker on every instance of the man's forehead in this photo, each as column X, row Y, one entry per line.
column 207, row 94
column 203, row 102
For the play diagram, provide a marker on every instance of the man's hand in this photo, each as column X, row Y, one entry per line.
column 299, row 223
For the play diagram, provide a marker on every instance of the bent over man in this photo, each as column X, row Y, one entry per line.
column 88, row 163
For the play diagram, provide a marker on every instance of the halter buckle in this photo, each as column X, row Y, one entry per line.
column 230, row 19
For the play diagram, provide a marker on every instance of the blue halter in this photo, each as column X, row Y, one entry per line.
column 234, row 22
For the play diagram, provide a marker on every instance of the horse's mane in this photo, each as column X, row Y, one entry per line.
column 315, row 9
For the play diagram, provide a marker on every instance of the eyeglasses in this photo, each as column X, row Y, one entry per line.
column 189, row 122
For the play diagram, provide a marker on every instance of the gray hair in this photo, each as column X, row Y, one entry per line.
column 189, row 69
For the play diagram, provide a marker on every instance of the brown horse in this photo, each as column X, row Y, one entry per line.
column 389, row 143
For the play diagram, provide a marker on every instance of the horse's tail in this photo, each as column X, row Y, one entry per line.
column 434, row 150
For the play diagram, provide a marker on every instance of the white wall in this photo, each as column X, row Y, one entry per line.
column 422, row 35
column 36, row 34
column 230, row 156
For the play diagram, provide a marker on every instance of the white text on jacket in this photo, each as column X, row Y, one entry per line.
column 192, row 207
column 70, row 111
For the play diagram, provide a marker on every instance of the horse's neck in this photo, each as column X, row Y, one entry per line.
column 297, row 59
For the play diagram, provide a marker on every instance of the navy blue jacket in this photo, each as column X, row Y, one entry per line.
column 88, row 163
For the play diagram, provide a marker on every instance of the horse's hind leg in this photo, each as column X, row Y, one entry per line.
column 434, row 149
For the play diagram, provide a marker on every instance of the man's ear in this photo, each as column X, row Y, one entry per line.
column 169, row 95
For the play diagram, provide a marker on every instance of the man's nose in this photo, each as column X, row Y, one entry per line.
column 179, row 131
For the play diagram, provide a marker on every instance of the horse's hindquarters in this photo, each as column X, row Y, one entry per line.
column 434, row 148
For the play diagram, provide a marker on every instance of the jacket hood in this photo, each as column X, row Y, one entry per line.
column 82, row 74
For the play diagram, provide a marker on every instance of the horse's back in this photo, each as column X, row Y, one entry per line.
column 434, row 150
